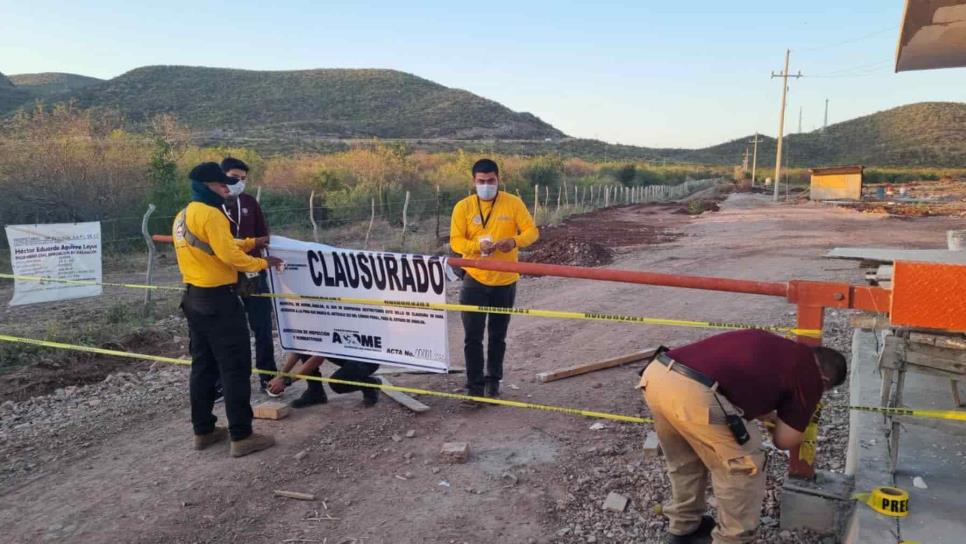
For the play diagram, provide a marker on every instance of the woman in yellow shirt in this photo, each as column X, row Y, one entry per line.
column 489, row 225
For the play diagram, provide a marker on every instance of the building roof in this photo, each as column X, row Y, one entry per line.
column 932, row 35
column 857, row 169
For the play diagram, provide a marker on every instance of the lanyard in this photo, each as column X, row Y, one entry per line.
column 232, row 219
column 479, row 204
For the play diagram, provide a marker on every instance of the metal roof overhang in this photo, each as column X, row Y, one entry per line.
column 933, row 35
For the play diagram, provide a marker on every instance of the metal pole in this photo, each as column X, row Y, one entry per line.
column 754, row 159
column 315, row 227
column 781, row 125
column 151, row 253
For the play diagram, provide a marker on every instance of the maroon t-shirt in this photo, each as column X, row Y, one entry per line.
column 759, row 372
column 249, row 223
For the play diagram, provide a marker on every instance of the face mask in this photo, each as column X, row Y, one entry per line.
column 486, row 192
column 236, row 189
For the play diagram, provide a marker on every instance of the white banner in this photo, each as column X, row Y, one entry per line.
column 65, row 251
column 407, row 337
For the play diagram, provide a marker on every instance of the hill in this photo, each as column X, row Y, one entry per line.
column 922, row 134
column 10, row 96
column 325, row 103
column 48, row 84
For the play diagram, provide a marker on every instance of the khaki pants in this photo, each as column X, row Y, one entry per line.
column 696, row 442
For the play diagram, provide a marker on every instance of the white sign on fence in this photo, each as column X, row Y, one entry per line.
column 407, row 337
column 65, row 251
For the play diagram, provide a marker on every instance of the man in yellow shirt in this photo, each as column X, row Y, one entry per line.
column 210, row 259
column 489, row 225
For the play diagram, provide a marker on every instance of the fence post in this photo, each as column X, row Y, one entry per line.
column 258, row 195
column 151, row 253
column 575, row 195
column 372, row 217
column 558, row 199
column 437, row 213
column 315, row 227
column 566, row 193
column 546, row 199
column 536, row 200
column 405, row 211
column 606, row 196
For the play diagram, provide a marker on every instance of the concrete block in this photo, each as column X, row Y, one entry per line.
column 272, row 410
column 652, row 448
column 615, row 502
column 822, row 505
column 455, row 452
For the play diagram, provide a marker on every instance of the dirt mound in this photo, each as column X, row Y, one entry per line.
column 570, row 251
column 697, row 207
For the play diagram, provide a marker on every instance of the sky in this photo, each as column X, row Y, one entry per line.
column 640, row 72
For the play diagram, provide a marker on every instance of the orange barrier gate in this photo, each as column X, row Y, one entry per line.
column 810, row 297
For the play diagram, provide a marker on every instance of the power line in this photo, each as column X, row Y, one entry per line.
column 850, row 40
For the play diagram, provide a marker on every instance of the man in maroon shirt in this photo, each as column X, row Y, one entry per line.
column 701, row 397
column 247, row 221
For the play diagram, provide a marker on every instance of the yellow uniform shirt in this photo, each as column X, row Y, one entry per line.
column 201, row 268
column 505, row 217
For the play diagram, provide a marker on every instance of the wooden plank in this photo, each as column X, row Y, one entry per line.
column 577, row 370
column 294, row 495
column 271, row 410
column 869, row 321
column 403, row 398
column 938, row 340
column 942, row 356
column 953, row 371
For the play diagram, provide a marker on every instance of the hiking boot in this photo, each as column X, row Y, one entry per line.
column 492, row 389
column 370, row 396
column 310, row 398
column 700, row 535
column 250, row 444
column 202, row 441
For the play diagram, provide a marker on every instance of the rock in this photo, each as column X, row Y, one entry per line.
column 510, row 477
column 652, row 448
column 919, row 482
column 411, row 433
column 300, row 455
column 396, row 438
column 455, row 452
column 598, row 426
column 615, row 502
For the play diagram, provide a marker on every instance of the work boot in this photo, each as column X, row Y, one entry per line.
column 700, row 535
column 250, row 444
column 473, row 391
column 492, row 389
column 370, row 396
column 202, row 441
column 314, row 394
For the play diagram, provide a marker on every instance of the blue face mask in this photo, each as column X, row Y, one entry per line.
column 486, row 192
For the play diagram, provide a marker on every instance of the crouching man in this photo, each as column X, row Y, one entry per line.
column 702, row 397
column 353, row 371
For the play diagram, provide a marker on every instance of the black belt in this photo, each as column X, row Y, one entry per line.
column 685, row 370
column 221, row 289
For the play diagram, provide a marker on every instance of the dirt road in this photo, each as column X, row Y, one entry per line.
column 130, row 476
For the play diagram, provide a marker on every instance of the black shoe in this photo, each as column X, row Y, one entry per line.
column 309, row 398
column 699, row 535
column 492, row 389
column 370, row 396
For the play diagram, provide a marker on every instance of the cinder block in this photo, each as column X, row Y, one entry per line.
column 272, row 410
column 615, row 502
column 821, row 505
column 455, row 452
column 652, row 448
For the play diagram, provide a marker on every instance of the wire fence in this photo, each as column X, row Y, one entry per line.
column 545, row 203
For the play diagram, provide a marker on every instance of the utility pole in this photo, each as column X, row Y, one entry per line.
column 744, row 162
column 825, row 124
column 799, row 119
column 781, row 119
column 754, row 159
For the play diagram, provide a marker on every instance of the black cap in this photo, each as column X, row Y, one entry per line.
column 207, row 172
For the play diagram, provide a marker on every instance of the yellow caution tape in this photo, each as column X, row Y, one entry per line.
column 931, row 414
column 809, row 445
column 410, row 390
column 889, row 501
column 957, row 415
column 814, row 333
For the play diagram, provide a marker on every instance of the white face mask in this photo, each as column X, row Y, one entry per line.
column 486, row 192
column 236, row 189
